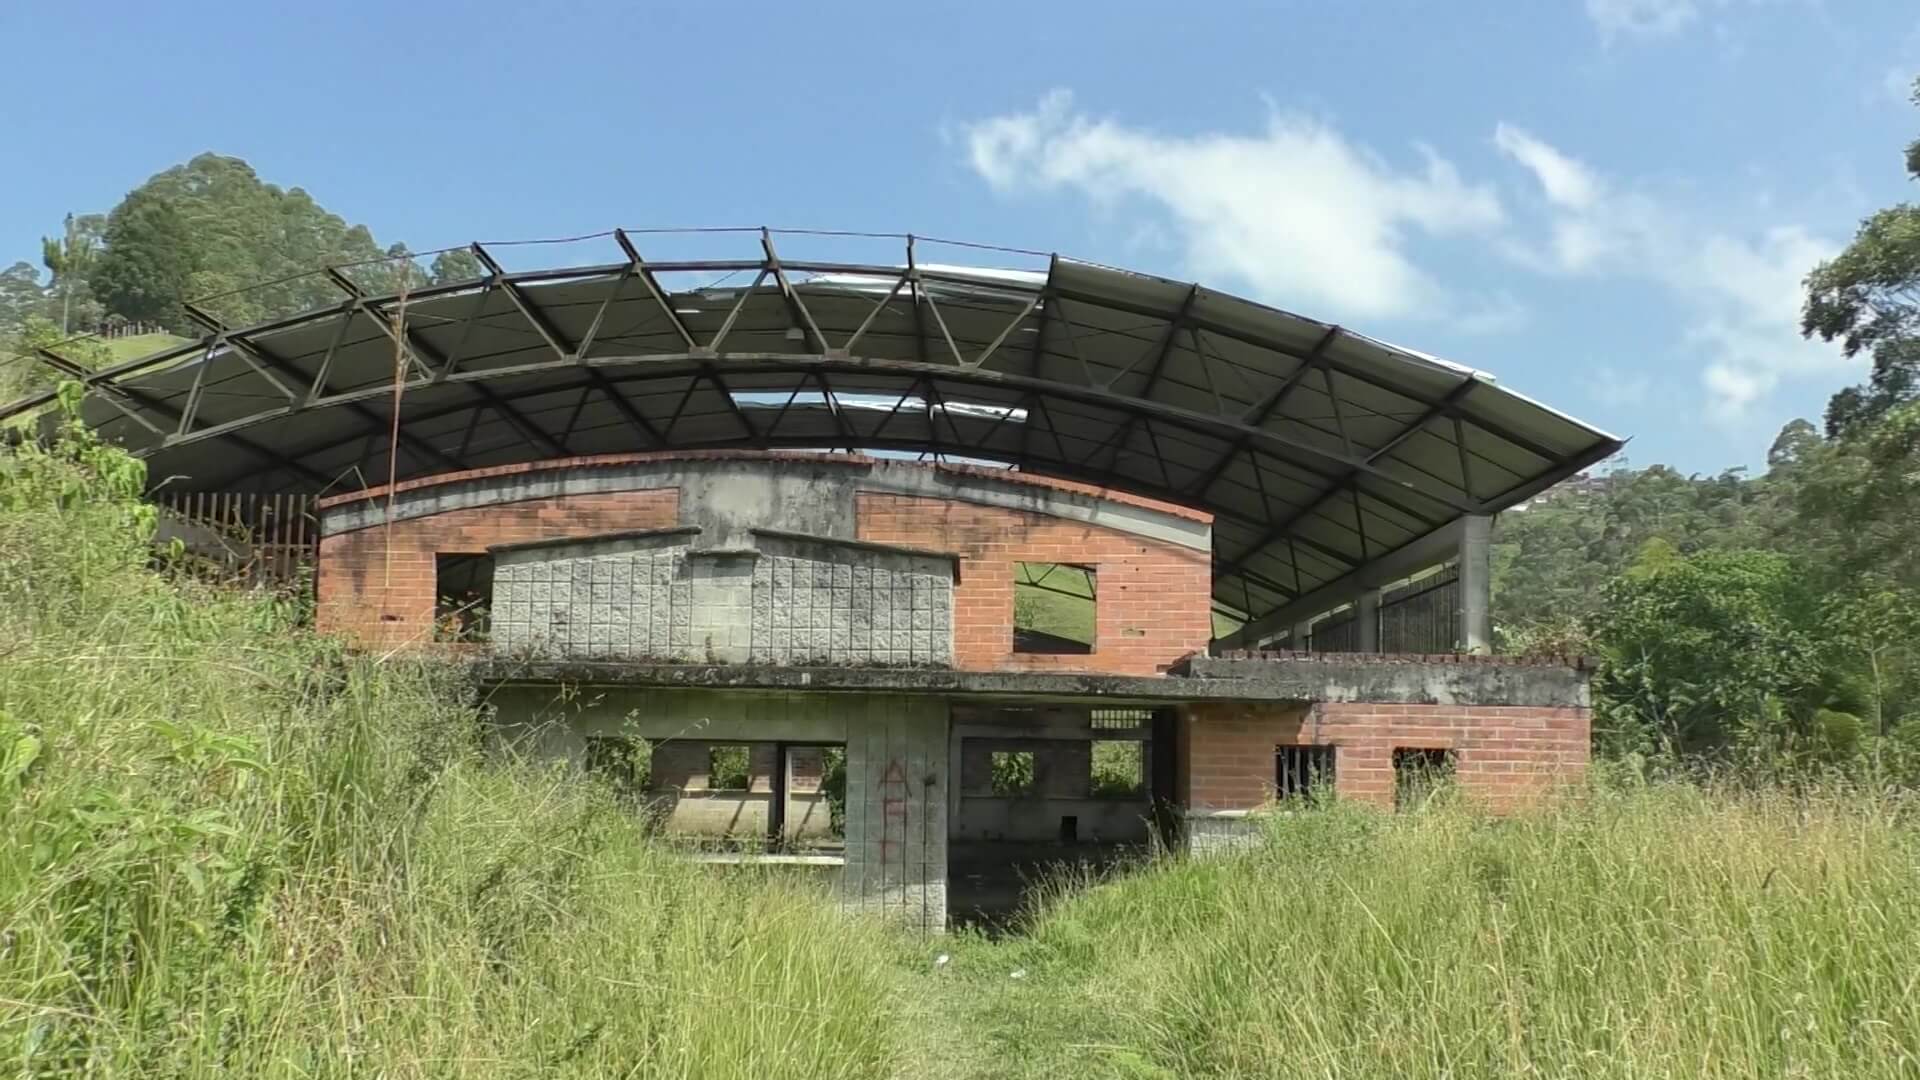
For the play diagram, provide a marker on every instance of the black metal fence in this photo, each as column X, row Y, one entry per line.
column 1421, row 616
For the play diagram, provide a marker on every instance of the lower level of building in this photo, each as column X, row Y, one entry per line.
column 932, row 797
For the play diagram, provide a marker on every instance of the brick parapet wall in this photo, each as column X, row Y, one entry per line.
column 1506, row 755
column 376, row 586
column 1153, row 605
column 851, row 461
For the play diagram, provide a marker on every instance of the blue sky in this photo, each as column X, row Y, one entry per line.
column 1606, row 203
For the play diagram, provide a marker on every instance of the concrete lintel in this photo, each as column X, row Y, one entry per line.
column 1388, row 680
column 858, row 545
column 1376, row 680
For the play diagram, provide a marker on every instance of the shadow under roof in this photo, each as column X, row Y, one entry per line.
column 1317, row 449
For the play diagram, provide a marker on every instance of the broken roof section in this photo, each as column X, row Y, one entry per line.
column 1319, row 451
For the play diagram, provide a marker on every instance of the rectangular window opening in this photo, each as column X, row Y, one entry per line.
column 813, row 810
column 625, row 763
column 1119, row 769
column 1420, row 774
column 462, row 596
column 727, row 767
column 1302, row 773
column 1013, row 773
column 1053, row 608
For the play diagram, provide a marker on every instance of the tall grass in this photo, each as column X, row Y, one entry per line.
column 230, row 848
column 1655, row 932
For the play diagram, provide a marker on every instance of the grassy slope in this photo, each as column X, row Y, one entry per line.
column 231, row 849
column 137, row 345
column 1055, row 599
column 1657, row 933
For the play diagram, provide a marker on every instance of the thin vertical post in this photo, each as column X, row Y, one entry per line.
column 1476, row 583
column 1366, row 608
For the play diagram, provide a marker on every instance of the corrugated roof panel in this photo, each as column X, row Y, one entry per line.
column 1151, row 385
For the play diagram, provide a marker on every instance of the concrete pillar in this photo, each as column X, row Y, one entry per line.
column 1476, row 583
column 1297, row 638
column 1366, row 609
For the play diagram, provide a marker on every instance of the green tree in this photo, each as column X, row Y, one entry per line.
column 21, row 296
column 245, row 249
column 457, row 264
column 70, row 260
column 146, row 271
column 1708, row 654
column 1868, row 298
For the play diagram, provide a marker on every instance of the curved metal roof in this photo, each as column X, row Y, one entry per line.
column 1318, row 449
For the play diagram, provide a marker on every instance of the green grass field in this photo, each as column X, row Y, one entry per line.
column 233, row 849
column 135, row 346
column 1056, row 599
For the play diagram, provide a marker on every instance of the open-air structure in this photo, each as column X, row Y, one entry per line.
column 919, row 572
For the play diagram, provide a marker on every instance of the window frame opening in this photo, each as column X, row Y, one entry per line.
column 1140, row 766
column 1304, row 773
column 715, row 784
column 463, row 596
column 1422, row 774
column 1014, row 774
column 625, row 762
column 1048, row 619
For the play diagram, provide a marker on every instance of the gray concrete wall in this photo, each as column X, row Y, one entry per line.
column 782, row 600
column 628, row 598
column 825, row 603
column 897, row 772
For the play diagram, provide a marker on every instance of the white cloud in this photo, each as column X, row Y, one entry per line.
column 1299, row 213
column 1641, row 18
column 1741, row 291
column 1566, row 181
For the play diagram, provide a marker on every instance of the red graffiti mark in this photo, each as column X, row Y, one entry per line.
column 893, row 809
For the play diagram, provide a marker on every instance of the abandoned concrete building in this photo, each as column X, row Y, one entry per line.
column 926, row 576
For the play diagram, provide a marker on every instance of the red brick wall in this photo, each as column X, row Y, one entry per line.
column 360, row 597
column 1154, row 598
column 1505, row 754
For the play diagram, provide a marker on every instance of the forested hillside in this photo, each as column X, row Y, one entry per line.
column 1768, row 619
column 210, row 232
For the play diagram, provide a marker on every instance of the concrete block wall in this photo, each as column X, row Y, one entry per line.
column 852, row 606
column 629, row 598
column 375, row 585
column 1506, row 755
column 660, row 598
column 1153, row 603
